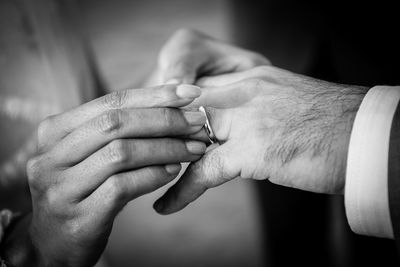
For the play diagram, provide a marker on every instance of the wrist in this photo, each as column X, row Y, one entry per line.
column 17, row 246
column 350, row 98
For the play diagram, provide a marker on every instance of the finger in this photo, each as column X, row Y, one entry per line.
column 211, row 170
column 220, row 80
column 127, row 154
column 220, row 121
column 56, row 127
column 227, row 96
column 229, row 78
column 201, row 135
column 125, row 123
column 109, row 198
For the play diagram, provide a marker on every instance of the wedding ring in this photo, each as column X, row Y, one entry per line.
column 207, row 127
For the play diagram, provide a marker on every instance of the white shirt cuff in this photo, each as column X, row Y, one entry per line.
column 366, row 190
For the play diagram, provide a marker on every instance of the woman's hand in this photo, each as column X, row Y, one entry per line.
column 272, row 124
column 99, row 156
column 190, row 54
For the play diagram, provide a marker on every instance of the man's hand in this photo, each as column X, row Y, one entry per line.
column 189, row 55
column 272, row 124
column 99, row 156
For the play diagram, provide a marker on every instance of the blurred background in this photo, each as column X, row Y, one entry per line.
column 57, row 54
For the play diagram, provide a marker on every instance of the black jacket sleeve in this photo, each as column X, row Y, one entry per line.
column 394, row 176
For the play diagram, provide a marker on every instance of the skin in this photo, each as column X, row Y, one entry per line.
column 272, row 125
column 189, row 55
column 93, row 160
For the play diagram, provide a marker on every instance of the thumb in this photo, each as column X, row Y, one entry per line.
column 208, row 172
column 178, row 72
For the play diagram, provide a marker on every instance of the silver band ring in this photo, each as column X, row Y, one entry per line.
column 207, row 127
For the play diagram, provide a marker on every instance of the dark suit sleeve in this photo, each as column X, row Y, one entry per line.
column 394, row 176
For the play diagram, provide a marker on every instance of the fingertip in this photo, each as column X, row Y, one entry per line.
column 173, row 168
column 158, row 206
column 196, row 147
column 162, row 207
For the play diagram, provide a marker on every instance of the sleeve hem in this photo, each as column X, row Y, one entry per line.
column 366, row 189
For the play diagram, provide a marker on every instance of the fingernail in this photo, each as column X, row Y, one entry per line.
column 159, row 206
column 173, row 168
column 195, row 117
column 173, row 81
column 196, row 147
column 188, row 91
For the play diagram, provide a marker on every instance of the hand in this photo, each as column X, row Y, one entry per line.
column 272, row 124
column 99, row 156
column 189, row 55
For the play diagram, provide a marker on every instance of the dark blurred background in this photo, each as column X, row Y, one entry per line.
column 243, row 223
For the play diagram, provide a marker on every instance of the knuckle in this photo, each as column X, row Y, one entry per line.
column 33, row 166
column 116, row 190
column 44, row 127
column 117, row 152
column 53, row 201
column 115, row 99
column 34, row 169
column 110, row 121
column 56, row 205
column 168, row 117
column 37, row 175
